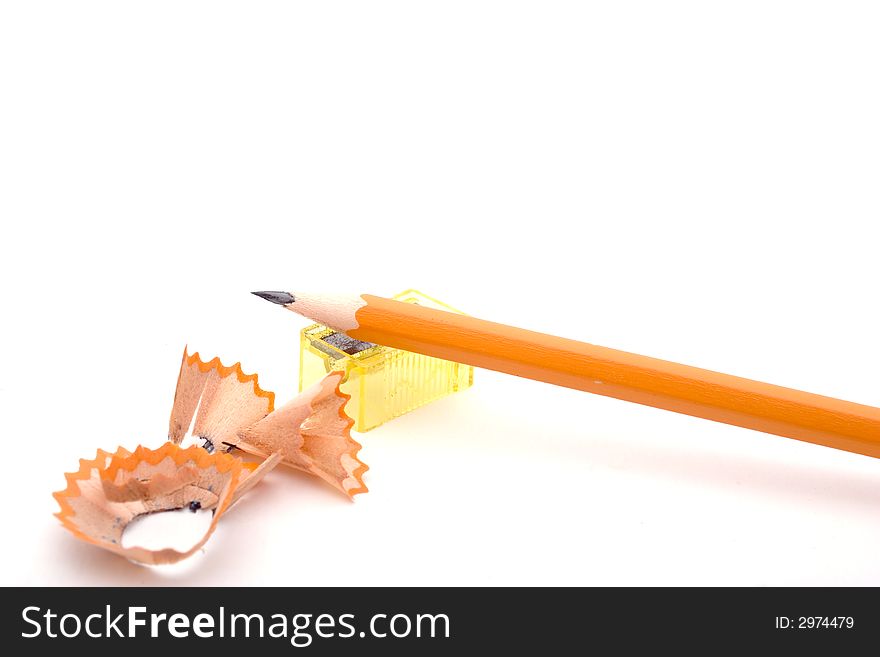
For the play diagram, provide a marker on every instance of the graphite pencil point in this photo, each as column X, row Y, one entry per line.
column 281, row 298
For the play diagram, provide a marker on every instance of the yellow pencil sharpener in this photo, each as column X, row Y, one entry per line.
column 384, row 383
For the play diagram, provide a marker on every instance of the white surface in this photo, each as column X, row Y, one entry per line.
column 681, row 180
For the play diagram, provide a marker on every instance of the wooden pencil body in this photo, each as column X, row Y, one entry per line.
column 622, row 375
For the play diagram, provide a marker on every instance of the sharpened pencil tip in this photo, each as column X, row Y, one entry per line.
column 281, row 298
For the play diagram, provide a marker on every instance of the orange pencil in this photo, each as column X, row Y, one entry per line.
column 681, row 388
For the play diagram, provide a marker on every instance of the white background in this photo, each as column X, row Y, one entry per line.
column 692, row 181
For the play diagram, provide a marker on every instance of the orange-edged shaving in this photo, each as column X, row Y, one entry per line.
column 108, row 492
column 227, row 408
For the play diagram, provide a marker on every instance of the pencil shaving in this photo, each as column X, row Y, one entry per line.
column 108, row 492
column 227, row 399
column 311, row 432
